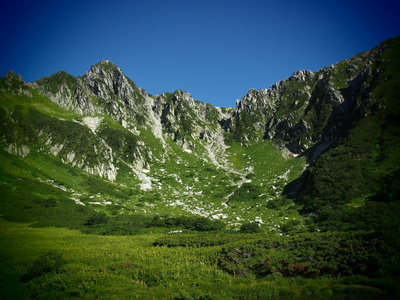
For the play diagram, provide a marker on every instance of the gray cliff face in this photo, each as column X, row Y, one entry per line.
column 106, row 81
column 190, row 124
column 65, row 91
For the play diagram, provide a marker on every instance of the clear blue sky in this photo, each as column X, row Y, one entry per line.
column 216, row 50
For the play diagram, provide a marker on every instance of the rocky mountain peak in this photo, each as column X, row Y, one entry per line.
column 105, row 80
column 16, row 84
column 12, row 76
column 302, row 75
column 102, row 68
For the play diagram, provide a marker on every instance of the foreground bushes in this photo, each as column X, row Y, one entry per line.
column 310, row 255
column 125, row 267
column 208, row 240
column 48, row 262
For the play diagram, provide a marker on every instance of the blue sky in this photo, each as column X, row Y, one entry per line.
column 216, row 50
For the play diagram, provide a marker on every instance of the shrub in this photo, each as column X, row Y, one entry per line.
column 272, row 205
column 248, row 192
column 188, row 222
column 310, row 255
column 48, row 262
column 50, row 202
column 97, row 219
column 250, row 228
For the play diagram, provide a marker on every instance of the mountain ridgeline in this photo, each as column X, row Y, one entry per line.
column 316, row 151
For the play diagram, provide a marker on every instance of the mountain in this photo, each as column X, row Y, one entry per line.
column 290, row 157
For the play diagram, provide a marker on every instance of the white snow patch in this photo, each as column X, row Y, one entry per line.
column 55, row 149
column 146, row 181
column 219, row 216
column 258, row 220
column 177, row 202
column 70, row 156
column 92, row 122
column 21, row 150
column 175, row 231
column 77, row 201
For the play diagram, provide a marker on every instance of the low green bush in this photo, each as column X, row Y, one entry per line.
column 205, row 240
column 250, row 228
column 309, row 255
column 48, row 262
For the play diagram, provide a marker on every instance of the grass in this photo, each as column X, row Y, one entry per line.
column 110, row 267
column 126, row 265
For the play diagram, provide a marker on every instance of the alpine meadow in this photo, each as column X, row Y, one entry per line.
column 108, row 192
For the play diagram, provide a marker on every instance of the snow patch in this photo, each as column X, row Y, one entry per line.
column 77, row 201
column 258, row 220
column 92, row 122
column 21, row 150
column 55, row 149
column 219, row 216
column 146, row 181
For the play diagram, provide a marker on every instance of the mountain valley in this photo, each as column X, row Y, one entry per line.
column 315, row 152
